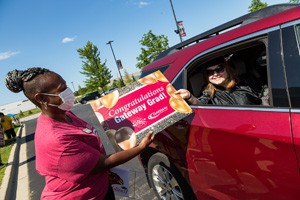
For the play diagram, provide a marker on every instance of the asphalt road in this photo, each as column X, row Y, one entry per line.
column 139, row 188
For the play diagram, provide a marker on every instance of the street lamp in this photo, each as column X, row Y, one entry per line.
column 73, row 86
column 109, row 42
column 176, row 31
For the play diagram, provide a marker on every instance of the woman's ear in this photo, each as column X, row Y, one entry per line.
column 39, row 98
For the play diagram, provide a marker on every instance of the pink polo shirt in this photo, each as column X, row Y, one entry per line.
column 66, row 154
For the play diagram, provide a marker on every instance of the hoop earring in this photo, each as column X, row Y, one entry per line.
column 44, row 104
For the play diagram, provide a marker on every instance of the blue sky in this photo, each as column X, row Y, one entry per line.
column 47, row 33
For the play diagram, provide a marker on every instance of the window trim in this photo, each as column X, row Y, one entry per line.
column 234, row 44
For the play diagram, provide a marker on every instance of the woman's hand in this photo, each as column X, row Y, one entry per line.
column 185, row 94
column 115, row 159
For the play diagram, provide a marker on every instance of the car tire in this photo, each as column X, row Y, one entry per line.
column 84, row 102
column 165, row 179
column 96, row 97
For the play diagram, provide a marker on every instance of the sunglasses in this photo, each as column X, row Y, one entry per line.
column 218, row 70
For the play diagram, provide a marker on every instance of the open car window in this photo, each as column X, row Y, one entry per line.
column 248, row 61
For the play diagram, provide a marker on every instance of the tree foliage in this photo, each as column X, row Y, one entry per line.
column 294, row 1
column 127, row 77
column 81, row 90
column 152, row 45
column 97, row 73
column 117, row 83
column 256, row 5
column 133, row 78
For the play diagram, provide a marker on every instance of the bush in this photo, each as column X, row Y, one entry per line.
column 21, row 114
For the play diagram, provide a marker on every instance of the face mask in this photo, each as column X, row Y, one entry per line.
column 67, row 97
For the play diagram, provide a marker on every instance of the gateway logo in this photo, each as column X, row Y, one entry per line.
column 157, row 113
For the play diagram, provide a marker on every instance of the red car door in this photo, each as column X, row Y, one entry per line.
column 247, row 152
column 242, row 154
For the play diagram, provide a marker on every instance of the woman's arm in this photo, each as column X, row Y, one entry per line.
column 186, row 95
column 113, row 160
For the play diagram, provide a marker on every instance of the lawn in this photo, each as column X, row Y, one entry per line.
column 29, row 112
column 4, row 151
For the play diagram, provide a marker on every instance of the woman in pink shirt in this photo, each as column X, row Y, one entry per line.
column 69, row 152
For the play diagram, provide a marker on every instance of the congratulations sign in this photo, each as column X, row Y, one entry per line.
column 131, row 112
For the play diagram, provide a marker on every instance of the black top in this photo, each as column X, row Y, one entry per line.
column 238, row 95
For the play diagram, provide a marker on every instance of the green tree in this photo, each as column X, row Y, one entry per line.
column 21, row 114
column 294, row 1
column 117, row 83
column 76, row 93
column 127, row 78
column 256, row 5
column 97, row 73
column 152, row 45
column 81, row 90
column 133, row 78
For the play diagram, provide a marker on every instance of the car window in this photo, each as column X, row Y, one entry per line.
column 291, row 53
column 248, row 62
column 297, row 28
column 162, row 69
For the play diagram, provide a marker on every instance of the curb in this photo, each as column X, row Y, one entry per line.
column 10, row 179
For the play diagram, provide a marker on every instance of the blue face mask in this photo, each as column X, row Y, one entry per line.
column 67, row 97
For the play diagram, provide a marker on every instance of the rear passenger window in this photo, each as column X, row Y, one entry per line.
column 162, row 69
column 247, row 64
column 298, row 36
column 291, row 52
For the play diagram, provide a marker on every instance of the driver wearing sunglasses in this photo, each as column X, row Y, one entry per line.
column 223, row 87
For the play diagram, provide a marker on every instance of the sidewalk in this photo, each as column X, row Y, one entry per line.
column 15, row 181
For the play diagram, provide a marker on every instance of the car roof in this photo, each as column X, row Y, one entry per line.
column 262, row 19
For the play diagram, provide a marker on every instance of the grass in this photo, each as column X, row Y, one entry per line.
column 29, row 112
column 5, row 152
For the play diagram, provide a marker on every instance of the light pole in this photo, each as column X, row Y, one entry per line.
column 73, row 86
column 176, row 31
column 109, row 42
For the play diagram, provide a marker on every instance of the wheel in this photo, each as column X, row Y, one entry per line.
column 84, row 102
column 96, row 97
column 166, row 181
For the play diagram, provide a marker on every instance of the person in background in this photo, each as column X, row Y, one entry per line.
column 8, row 127
column 69, row 152
column 223, row 87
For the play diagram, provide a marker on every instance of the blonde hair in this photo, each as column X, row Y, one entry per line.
column 230, row 82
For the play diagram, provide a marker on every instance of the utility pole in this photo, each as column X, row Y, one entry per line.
column 109, row 42
column 73, row 86
column 176, row 31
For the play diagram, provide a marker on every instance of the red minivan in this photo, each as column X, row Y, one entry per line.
column 234, row 152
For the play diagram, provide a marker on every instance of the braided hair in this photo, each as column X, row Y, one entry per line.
column 15, row 79
column 26, row 81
